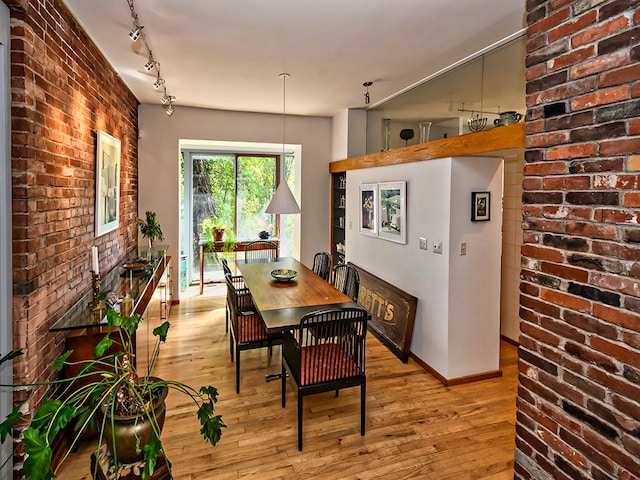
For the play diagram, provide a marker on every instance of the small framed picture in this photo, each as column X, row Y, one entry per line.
column 480, row 206
column 368, row 209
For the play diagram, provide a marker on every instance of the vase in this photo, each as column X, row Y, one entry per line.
column 425, row 128
column 123, row 432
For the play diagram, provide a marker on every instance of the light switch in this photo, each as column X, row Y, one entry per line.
column 463, row 248
column 423, row 243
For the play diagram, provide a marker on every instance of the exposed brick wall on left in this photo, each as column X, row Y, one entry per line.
column 63, row 91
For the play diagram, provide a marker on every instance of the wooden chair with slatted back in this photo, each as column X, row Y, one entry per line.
column 326, row 353
column 247, row 329
column 244, row 297
column 347, row 280
column 261, row 250
column 322, row 265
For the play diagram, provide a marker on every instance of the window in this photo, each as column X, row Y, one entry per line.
column 230, row 190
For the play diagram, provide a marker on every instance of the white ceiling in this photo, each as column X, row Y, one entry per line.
column 227, row 54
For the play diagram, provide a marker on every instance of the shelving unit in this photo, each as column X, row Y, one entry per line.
column 338, row 216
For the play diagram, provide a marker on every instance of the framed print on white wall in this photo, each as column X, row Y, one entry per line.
column 107, row 206
column 368, row 215
column 392, row 212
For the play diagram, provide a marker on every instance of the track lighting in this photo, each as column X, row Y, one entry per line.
column 150, row 64
column 137, row 33
column 367, row 98
column 159, row 82
column 136, row 30
column 167, row 99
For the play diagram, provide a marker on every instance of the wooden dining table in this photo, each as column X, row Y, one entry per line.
column 282, row 304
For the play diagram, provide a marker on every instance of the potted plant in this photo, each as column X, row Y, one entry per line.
column 150, row 228
column 213, row 229
column 109, row 390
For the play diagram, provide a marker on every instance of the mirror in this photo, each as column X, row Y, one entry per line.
column 480, row 88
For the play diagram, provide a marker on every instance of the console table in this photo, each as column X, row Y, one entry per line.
column 218, row 246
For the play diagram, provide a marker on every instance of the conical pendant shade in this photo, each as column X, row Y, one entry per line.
column 283, row 201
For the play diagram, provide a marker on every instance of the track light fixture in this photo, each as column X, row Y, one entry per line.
column 136, row 30
column 137, row 33
column 150, row 63
column 159, row 81
column 367, row 98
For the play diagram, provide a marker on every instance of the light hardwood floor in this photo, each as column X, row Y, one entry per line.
column 416, row 427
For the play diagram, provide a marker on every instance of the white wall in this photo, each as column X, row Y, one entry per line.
column 158, row 164
column 457, row 321
column 349, row 134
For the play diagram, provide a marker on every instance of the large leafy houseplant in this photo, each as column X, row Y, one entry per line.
column 106, row 386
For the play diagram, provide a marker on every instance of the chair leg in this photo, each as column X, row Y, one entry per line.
column 237, row 370
column 226, row 319
column 231, row 345
column 284, row 386
column 299, row 421
column 363, row 403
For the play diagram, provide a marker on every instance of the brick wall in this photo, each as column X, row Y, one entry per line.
column 579, row 393
column 63, row 91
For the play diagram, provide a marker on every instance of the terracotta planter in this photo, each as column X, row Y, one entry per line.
column 128, row 429
column 218, row 234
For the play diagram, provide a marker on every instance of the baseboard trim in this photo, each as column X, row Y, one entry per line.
column 457, row 380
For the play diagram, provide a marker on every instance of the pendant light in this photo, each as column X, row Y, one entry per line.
column 283, row 201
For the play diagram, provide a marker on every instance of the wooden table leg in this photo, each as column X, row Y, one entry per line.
column 201, row 268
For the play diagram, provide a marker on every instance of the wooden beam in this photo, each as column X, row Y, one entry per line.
column 494, row 139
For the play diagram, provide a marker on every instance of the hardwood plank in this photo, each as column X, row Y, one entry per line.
column 416, row 427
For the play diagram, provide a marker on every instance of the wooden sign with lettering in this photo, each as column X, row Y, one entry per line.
column 393, row 312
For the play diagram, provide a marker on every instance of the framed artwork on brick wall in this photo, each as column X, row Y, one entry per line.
column 107, row 207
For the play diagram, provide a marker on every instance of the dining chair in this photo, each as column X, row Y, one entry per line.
column 347, row 280
column 244, row 297
column 247, row 328
column 322, row 265
column 331, row 360
column 260, row 250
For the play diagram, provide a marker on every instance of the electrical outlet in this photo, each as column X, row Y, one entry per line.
column 437, row 247
column 423, row 243
column 463, row 248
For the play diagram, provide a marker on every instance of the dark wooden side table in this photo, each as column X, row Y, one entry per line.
column 160, row 472
column 218, row 246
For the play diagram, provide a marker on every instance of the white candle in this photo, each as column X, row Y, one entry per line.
column 95, row 263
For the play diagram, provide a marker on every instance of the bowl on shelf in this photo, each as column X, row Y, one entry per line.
column 284, row 274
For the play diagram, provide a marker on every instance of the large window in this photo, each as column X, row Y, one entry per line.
column 229, row 190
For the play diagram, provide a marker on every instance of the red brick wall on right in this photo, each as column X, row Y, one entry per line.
column 579, row 391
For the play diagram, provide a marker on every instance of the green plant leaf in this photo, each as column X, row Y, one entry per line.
column 161, row 331
column 37, row 465
column 9, row 422
column 55, row 414
column 103, row 346
column 212, row 425
column 58, row 363
column 211, row 392
column 152, row 451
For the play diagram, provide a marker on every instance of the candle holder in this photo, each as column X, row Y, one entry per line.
column 95, row 284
